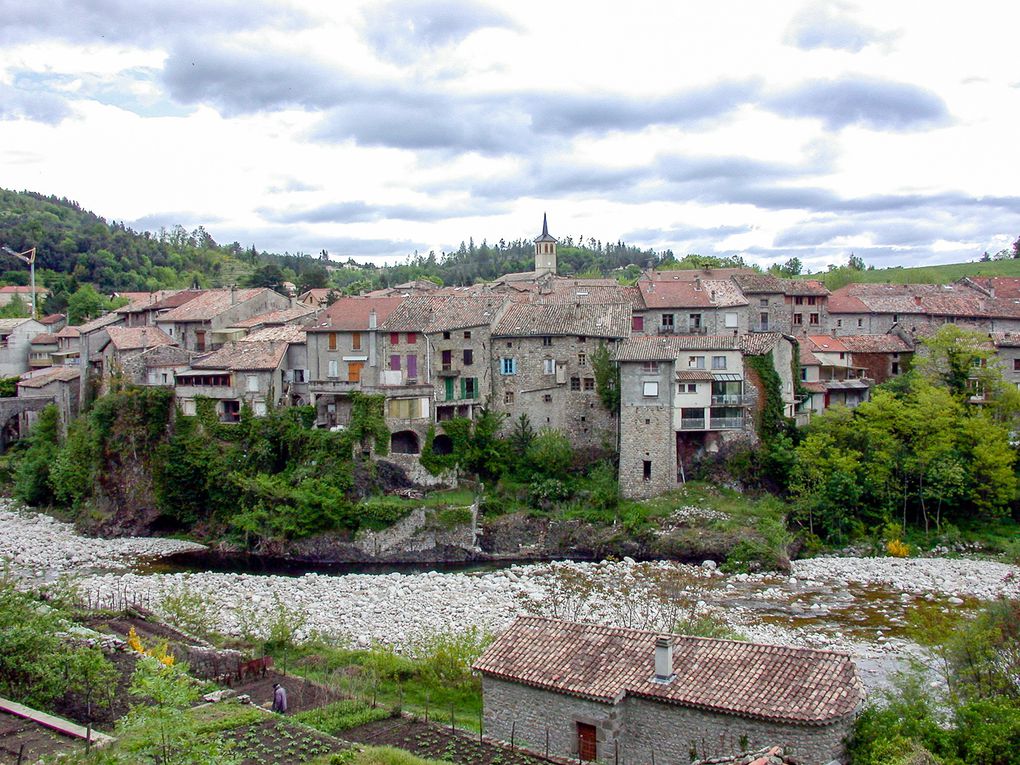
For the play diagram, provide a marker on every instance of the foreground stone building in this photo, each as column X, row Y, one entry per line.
column 609, row 694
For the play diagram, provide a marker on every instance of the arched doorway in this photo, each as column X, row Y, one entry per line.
column 442, row 444
column 405, row 442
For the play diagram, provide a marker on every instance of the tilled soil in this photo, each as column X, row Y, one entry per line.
column 301, row 694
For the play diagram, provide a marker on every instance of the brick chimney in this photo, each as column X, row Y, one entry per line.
column 663, row 659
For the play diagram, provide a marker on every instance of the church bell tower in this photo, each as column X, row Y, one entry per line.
column 545, row 250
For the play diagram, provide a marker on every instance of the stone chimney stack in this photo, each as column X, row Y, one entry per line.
column 233, row 294
column 663, row 659
column 373, row 319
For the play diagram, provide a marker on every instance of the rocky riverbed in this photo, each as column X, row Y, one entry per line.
column 858, row 605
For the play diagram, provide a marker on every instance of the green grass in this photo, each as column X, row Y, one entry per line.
column 342, row 715
column 939, row 274
column 388, row 755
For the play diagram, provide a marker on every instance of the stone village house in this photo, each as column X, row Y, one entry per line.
column 595, row 693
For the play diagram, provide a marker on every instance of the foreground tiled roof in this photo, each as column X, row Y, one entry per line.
column 589, row 320
column 103, row 321
column 667, row 347
column 69, row 331
column 210, row 303
column 244, row 356
column 753, row 283
column 678, row 294
column 875, row 343
column 693, row 375
column 352, row 313
column 12, row 324
column 825, row 344
column 999, row 339
column 809, row 287
column 316, row 296
column 53, row 318
column 63, row 374
column 138, row 338
column 44, row 338
column 145, row 301
column 600, row 663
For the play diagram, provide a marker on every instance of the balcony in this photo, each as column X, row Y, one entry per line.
column 334, row 386
column 667, row 329
column 731, row 399
column 448, row 371
column 692, row 423
column 698, row 330
column 726, row 423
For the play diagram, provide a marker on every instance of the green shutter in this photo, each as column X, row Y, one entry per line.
column 449, row 389
column 463, row 387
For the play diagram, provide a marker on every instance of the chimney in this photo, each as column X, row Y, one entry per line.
column 663, row 659
column 373, row 320
column 233, row 294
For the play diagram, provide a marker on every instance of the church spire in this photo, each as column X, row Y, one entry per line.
column 545, row 249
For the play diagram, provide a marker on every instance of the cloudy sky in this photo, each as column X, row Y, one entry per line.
column 373, row 129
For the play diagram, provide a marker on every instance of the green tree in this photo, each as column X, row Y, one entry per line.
column 269, row 275
column 86, row 304
column 607, row 378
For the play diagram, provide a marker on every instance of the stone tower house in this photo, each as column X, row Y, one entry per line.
column 545, row 250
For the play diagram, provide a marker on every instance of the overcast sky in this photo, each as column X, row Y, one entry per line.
column 372, row 129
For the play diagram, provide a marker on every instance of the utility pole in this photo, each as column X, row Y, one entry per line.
column 28, row 256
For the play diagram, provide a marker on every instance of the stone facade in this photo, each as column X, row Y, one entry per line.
column 552, row 381
column 639, row 731
column 647, row 450
column 460, row 369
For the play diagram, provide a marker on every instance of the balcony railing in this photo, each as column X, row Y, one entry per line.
column 731, row 399
column 692, row 423
column 667, row 329
column 726, row 423
column 449, row 371
column 761, row 326
column 698, row 330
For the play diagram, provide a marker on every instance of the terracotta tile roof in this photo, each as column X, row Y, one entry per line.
column 690, row 274
column 754, row 283
column 825, row 344
column 678, row 294
column 103, row 321
column 814, row 387
column 806, row 357
column 807, row 287
column 876, row 343
column 667, row 347
column 243, row 356
column 69, row 331
column 693, row 375
column 210, row 303
column 157, row 301
column 913, row 299
column 44, row 338
column 1003, row 339
column 138, row 338
column 316, row 296
column 38, row 380
column 12, row 324
column 1006, row 287
column 440, row 313
column 600, row 663
column 53, row 318
column 285, row 333
column 588, row 319
column 759, row 343
column 352, row 313
column 22, row 289
column 282, row 316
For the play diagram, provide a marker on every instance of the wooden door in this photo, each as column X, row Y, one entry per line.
column 354, row 371
column 587, row 749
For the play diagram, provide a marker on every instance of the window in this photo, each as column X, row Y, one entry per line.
column 1016, row 365
column 589, row 383
column 763, row 302
column 582, row 339
column 508, row 397
column 575, row 383
column 394, row 338
column 469, row 357
column 696, row 362
column 895, row 317
column 199, row 340
column 896, row 367
column 548, row 366
column 813, row 319
column 467, row 334
column 798, row 300
column 694, row 321
column 509, row 343
column 259, row 409
column 667, row 321
column 582, row 359
column 650, row 389
column 446, row 358
column 731, row 319
column 446, row 335
column 650, row 367
column 252, row 383
column 334, row 368
column 354, row 371
column 763, row 321
column 842, row 355
column 332, row 341
column 860, row 323
column 812, row 300
column 718, row 362
column 412, row 365
column 547, row 398
column 839, row 322
column 546, row 341
column 803, row 374
column 508, row 366
column 469, row 387
column 637, row 323
column 687, row 388
column 355, row 341
column 647, row 467
column 395, row 362
column 404, row 408
column 411, row 338
column 798, row 318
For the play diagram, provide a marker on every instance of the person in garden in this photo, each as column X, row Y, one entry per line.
column 279, row 699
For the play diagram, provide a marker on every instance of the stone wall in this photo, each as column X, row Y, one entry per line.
column 679, row 734
column 531, row 714
column 417, row 532
column 549, row 400
column 646, row 434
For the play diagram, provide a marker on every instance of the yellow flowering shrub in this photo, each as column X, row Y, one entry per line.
column 160, row 652
column 897, row 548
